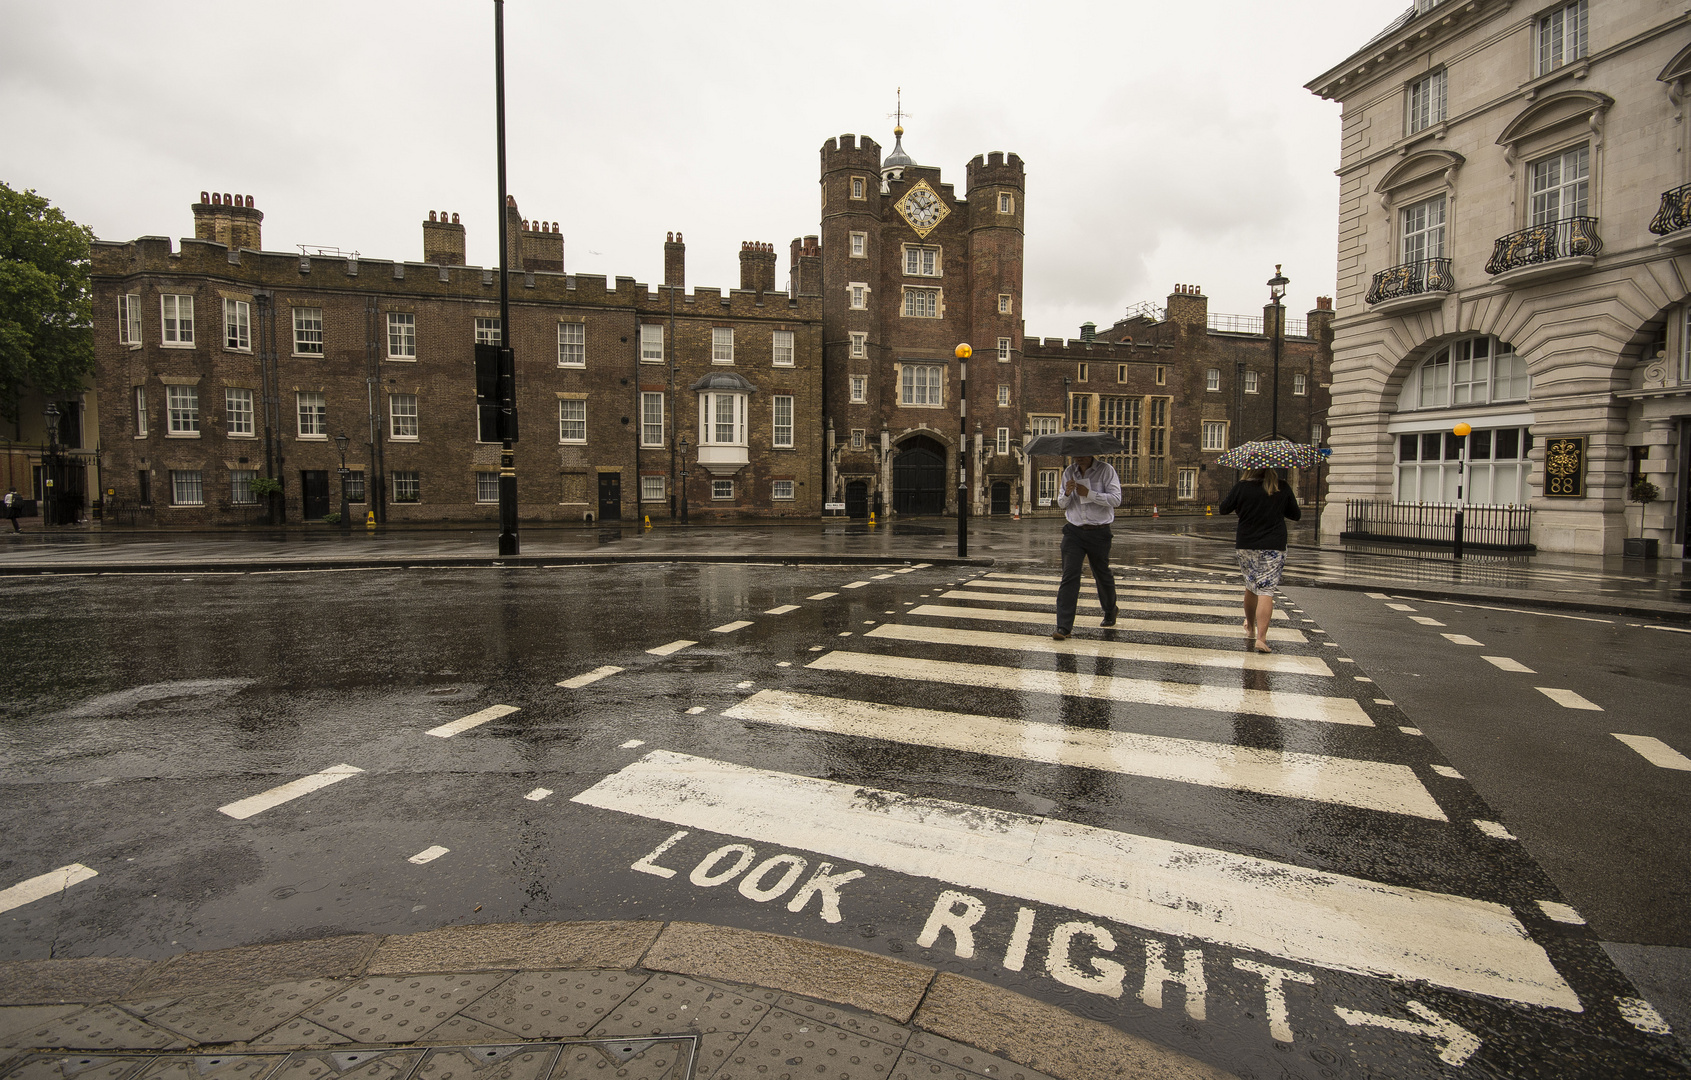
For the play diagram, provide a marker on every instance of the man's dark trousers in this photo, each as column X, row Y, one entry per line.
column 1091, row 545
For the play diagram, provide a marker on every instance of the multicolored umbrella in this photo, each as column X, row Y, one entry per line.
column 1271, row 454
column 1075, row 444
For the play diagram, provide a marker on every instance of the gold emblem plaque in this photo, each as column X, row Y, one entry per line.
column 1564, row 468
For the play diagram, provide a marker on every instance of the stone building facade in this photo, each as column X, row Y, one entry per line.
column 1514, row 254
column 221, row 363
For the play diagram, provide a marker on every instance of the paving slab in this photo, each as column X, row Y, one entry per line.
column 380, row 1010
column 212, row 1067
column 790, row 1044
column 609, row 945
column 298, row 1034
column 227, row 1016
column 102, row 1027
column 672, row 1005
column 373, row 1064
column 80, row 1067
column 16, row 1021
column 79, row 979
column 495, row 1061
column 554, row 1004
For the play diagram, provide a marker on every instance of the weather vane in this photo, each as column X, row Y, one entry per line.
column 897, row 117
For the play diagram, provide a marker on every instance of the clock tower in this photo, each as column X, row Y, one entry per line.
column 910, row 270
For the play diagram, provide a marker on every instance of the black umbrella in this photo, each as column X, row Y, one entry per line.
column 1075, row 444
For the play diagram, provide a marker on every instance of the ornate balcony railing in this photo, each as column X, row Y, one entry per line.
column 1411, row 279
column 1675, row 213
column 1569, row 238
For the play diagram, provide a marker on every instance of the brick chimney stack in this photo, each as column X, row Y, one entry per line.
column 757, row 267
column 443, row 240
column 806, row 266
column 513, row 235
column 229, row 220
column 542, row 247
column 674, row 261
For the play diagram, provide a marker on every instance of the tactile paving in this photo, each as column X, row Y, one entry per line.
column 17, row 1021
column 297, row 1032
column 348, row 1065
column 627, row 1059
column 400, row 1009
column 869, row 1025
column 78, row 1067
column 212, row 1067
column 787, row 1046
column 495, row 1062
column 673, row 1005
column 932, row 1057
column 241, row 1016
column 554, row 1004
column 105, row 1027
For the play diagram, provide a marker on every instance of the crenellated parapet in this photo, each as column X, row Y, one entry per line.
column 997, row 169
column 851, row 152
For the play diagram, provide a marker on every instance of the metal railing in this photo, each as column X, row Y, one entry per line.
column 1411, row 279
column 1252, row 324
column 1675, row 213
column 1504, row 528
column 1569, row 238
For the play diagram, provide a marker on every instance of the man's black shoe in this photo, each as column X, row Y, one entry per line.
column 1059, row 635
column 1109, row 620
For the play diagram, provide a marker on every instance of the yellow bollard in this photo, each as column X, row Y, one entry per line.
column 871, row 517
column 369, row 519
column 648, row 521
column 1208, row 512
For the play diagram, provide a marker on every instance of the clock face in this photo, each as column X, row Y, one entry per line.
column 922, row 208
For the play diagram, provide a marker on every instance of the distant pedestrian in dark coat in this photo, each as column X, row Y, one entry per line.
column 14, row 508
column 1263, row 507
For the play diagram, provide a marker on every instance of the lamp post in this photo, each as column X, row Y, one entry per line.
column 346, row 511
column 509, row 544
column 50, row 467
column 1461, row 431
column 683, row 479
column 963, row 352
column 1276, row 291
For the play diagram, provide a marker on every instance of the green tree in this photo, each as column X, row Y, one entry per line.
column 46, row 333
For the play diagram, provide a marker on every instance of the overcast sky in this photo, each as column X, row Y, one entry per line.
column 1163, row 142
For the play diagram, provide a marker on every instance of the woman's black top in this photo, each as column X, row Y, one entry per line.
column 1262, row 517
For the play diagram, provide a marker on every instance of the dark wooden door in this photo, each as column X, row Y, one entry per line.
column 610, row 496
column 918, row 478
column 314, row 493
column 1001, row 498
column 857, row 499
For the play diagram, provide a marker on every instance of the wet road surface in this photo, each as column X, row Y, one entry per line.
column 1268, row 862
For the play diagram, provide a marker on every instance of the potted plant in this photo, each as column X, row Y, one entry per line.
column 1643, row 493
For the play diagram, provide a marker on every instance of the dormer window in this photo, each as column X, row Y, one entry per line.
column 1562, row 36
column 1427, row 101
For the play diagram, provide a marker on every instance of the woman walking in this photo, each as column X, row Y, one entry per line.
column 1263, row 507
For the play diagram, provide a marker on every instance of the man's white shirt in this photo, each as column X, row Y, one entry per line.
column 1103, row 494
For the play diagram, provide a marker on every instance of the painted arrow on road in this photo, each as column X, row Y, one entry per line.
column 1459, row 1042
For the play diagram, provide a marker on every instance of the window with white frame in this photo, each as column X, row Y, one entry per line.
column 1212, row 378
column 313, row 410
column 921, row 261
column 722, row 345
column 1003, row 303
column 782, row 433
column 182, row 407
column 355, row 485
column 1562, row 36
column 140, row 412
column 859, row 293
column 489, row 332
column 1250, row 382
column 857, row 188
column 1006, row 203
column 572, row 420
column 651, row 343
column 487, row 487
column 129, row 319
column 722, row 489
column 1215, row 435
column 402, row 335
column 177, row 320
column 308, row 331
column 1185, row 483
column 1300, row 384
column 238, row 411
column 921, row 384
column 186, row 488
column 407, row 487
column 781, row 489
column 652, row 489
column 860, row 245
column 1003, row 350
column 1003, row 395
column 722, row 419
column 572, row 344
column 1561, row 185
column 1001, row 445
column 1160, row 376
column 237, row 325
column 1047, row 486
column 651, row 419
column 859, row 343
column 1044, row 425
column 859, row 439
column 240, row 486
column 782, row 349
column 921, row 303
column 402, row 416
column 1423, row 230
column 859, row 388
column 1471, row 371
column 1429, row 466
column 1315, row 434
column 1426, row 101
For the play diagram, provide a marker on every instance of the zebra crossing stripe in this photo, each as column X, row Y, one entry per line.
column 1137, row 583
column 1151, row 626
column 1302, row 915
column 1123, row 588
column 44, row 885
column 1367, row 785
column 1274, row 703
column 1231, row 611
column 475, row 719
column 1115, row 650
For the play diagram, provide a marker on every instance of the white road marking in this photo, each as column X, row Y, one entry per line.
column 921, row 566
column 44, row 885
column 1425, row 620
column 1148, row 626
column 729, row 628
column 1656, row 752
column 1029, row 589
column 1384, row 701
column 1231, row 612
column 1460, row 639
column 428, row 855
column 816, row 648
column 1411, row 731
column 880, row 577
column 1400, row 607
column 1446, row 770
column 672, row 647
column 1053, row 579
column 538, row 794
column 1120, row 650
column 1376, row 596
column 1362, row 678
column 1345, row 660
column 1182, row 890
column 1503, row 663
column 854, row 585
column 906, row 570
column 695, row 710
column 1493, row 830
column 1567, row 698
column 1370, row 785
column 1282, row 706
column 782, row 610
column 1562, row 913
column 632, row 743
column 823, row 596
column 293, row 789
column 845, row 633
column 747, row 685
column 475, row 719
column 590, row 677
column 1517, row 611
column 783, row 663
column 1329, row 644
column 1672, row 629
column 1457, row 1043
column 1642, row 1015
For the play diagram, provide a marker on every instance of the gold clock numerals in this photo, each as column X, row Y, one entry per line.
column 922, row 208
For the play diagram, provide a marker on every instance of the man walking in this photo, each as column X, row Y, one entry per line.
column 1089, row 494
column 14, row 508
